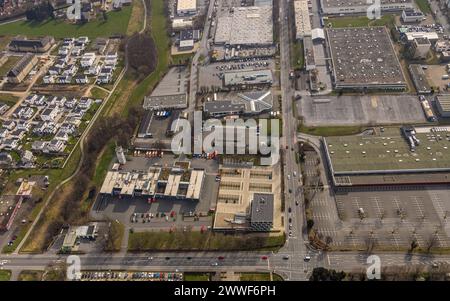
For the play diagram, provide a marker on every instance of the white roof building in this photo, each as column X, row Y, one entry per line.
column 186, row 7
column 302, row 21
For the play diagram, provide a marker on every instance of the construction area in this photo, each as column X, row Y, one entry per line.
column 364, row 58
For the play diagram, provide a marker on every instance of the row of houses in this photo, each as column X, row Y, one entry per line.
column 47, row 122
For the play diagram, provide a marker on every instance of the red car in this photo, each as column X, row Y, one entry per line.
column 264, row 258
column 221, row 257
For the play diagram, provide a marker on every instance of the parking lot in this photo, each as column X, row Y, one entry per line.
column 136, row 212
column 434, row 75
column 360, row 110
column 389, row 217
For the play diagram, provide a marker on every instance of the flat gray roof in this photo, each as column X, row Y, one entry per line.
column 365, row 57
column 444, row 102
column 170, row 92
column 349, row 3
column 262, row 208
column 419, row 78
column 245, row 26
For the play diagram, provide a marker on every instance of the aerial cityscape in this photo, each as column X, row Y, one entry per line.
column 224, row 140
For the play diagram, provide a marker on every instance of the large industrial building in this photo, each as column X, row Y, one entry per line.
column 302, row 21
column 171, row 92
column 248, row 200
column 364, row 59
column 251, row 26
column 166, row 183
column 443, row 105
column 348, row 7
column 392, row 156
column 186, row 7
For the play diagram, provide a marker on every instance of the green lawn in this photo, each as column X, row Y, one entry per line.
column 30, row 275
column 424, row 6
column 386, row 20
column 96, row 93
column 196, row 276
column 181, row 59
column 5, row 275
column 259, row 277
column 331, row 130
column 117, row 23
column 298, row 59
column 146, row 241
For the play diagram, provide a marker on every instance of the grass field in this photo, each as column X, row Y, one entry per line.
column 137, row 17
column 5, row 275
column 146, row 241
column 298, row 59
column 331, row 130
column 30, row 275
column 96, row 92
column 10, row 100
column 196, row 276
column 11, row 61
column 386, row 20
column 424, row 6
column 116, row 23
column 259, row 277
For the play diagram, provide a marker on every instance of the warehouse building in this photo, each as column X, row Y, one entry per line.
column 364, row 59
column 186, row 7
column 164, row 183
column 39, row 45
column 443, row 105
column 251, row 26
column 22, row 68
column 395, row 156
column 170, row 93
column 348, row 7
column 302, row 21
column 419, row 79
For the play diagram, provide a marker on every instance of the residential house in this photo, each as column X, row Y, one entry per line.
column 39, row 45
column 4, row 133
column 81, row 79
column 9, row 124
column 39, row 146
column 49, row 114
column 56, row 146
column 10, row 144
